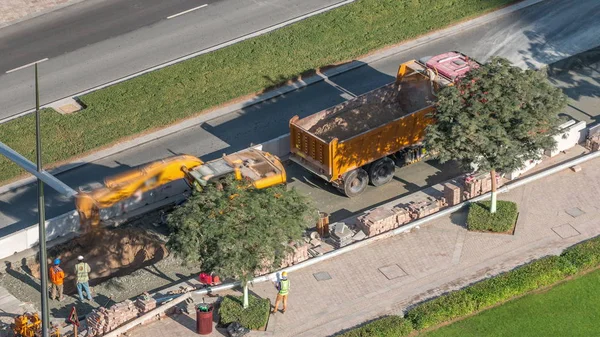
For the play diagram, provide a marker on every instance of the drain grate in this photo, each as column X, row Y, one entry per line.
column 392, row 271
column 322, row 276
column 575, row 212
column 565, row 231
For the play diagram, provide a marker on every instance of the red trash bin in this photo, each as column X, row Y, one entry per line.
column 204, row 319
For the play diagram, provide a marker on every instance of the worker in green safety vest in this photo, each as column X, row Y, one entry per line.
column 283, row 286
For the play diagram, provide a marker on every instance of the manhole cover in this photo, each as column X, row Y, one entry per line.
column 322, row 276
column 392, row 271
column 575, row 212
column 565, row 231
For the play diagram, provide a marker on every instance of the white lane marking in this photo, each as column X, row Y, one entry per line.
column 185, row 12
column 27, row 65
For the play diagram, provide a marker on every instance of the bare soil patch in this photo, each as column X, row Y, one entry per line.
column 110, row 253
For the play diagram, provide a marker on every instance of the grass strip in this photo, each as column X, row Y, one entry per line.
column 569, row 309
column 183, row 90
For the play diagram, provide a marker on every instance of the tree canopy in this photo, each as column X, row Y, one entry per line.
column 233, row 230
column 497, row 117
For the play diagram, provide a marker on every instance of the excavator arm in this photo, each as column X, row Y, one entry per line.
column 130, row 183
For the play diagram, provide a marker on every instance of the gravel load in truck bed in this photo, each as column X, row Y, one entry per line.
column 373, row 109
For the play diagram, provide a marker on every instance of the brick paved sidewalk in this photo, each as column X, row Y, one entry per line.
column 555, row 212
column 13, row 11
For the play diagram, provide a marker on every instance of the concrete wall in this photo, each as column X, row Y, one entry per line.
column 573, row 134
column 279, row 146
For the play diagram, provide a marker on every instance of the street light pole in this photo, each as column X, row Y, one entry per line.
column 41, row 214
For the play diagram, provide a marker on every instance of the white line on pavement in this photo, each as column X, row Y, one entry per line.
column 185, row 12
column 27, row 65
column 189, row 56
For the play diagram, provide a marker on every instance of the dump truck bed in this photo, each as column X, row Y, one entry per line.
column 371, row 110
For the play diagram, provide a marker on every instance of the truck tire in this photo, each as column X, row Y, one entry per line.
column 381, row 172
column 355, row 182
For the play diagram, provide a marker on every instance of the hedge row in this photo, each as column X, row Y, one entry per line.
column 484, row 294
column 388, row 326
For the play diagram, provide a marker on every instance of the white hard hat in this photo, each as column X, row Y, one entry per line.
column 80, row 258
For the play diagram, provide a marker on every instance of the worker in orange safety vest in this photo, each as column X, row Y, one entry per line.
column 57, row 278
column 284, row 288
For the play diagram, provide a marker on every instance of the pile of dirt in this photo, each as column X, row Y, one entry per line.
column 373, row 110
column 109, row 252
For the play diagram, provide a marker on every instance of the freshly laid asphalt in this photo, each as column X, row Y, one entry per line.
column 97, row 41
column 534, row 36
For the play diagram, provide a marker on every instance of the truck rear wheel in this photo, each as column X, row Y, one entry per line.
column 381, row 172
column 355, row 182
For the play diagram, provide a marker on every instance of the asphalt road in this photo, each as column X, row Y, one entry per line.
column 80, row 25
column 97, row 41
column 537, row 35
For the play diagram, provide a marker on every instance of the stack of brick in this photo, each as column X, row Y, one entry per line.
column 145, row 304
column 592, row 143
column 452, row 194
column 421, row 209
column 472, row 187
column 402, row 215
column 102, row 320
column 479, row 184
column 299, row 254
column 377, row 221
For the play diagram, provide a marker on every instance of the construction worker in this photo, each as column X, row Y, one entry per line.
column 82, row 274
column 57, row 278
column 283, row 286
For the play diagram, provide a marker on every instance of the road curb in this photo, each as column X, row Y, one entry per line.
column 194, row 121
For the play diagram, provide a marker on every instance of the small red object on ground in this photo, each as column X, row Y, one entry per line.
column 206, row 278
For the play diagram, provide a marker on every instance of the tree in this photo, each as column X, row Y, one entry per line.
column 235, row 231
column 497, row 117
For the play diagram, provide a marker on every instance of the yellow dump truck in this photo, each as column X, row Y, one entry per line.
column 364, row 138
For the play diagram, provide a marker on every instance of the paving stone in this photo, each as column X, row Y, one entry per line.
column 322, row 276
column 565, row 231
column 575, row 212
column 392, row 272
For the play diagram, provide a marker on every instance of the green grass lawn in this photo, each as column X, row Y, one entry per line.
column 183, row 90
column 569, row 309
